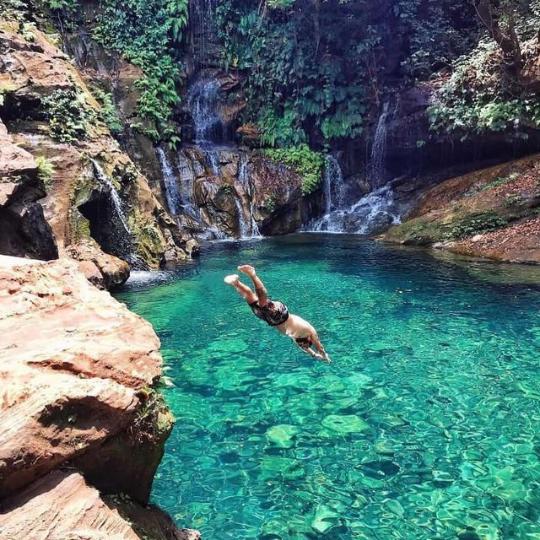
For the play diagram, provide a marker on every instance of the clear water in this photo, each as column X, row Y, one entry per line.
column 426, row 426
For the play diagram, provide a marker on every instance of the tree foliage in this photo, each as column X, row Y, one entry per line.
column 315, row 70
column 487, row 90
column 148, row 33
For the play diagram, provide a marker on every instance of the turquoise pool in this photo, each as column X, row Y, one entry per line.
column 426, row 426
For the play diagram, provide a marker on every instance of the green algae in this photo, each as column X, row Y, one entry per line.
column 425, row 426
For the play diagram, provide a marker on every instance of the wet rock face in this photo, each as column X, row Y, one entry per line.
column 77, row 370
column 233, row 192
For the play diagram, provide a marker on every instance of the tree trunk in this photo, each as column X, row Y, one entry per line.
column 497, row 17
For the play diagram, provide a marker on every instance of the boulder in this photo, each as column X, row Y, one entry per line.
column 101, row 269
column 80, row 513
column 73, row 362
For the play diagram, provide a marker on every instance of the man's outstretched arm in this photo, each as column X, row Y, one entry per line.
column 260, row 289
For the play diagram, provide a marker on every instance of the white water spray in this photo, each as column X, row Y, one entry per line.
column 114, row 195
column 170, row 181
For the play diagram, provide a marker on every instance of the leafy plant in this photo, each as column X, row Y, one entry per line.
column 45, row 171
column 474, row 224
column 68, row 115
column 307, row 163
column 14, row 9
column 147, row 33
column 108, row 113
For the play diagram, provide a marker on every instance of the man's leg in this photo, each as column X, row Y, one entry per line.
column 243, row 290
column 260, row 289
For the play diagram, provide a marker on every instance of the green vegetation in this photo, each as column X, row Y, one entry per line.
column 315, row 72
column 147, row 33
column 45, row 171
column 68, row 114
column 13, row 9
column 307, row 163
column 108, row 113
column 475, row 224
column 488, row 90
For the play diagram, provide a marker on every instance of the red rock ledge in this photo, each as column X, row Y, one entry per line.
column 78, row 412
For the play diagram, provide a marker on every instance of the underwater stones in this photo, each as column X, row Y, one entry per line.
column 282, row 435
column 225, row 346
column 442, row 479
column 275, row 467
column 380, row 469
column 324, row 519
column 345, row 424
column 384, row 448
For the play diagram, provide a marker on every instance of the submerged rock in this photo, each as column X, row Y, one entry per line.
column 345, row 424
column 282, row 435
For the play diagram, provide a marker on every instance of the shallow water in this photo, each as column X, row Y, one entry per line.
column 426, row 426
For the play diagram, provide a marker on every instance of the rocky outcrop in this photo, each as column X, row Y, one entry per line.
column 101, row 269
column 63, row 505
column 233, row 192
column 93, row 189
column 77, row 370
column 489, row 213
column 25, row 232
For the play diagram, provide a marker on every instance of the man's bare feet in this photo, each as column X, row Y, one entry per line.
column 232, row 279
column 247, row 269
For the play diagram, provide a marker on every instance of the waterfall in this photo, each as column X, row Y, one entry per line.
column 212, row 157
column 376, row 168
column 202, row 20
column 169, row 179
column 113, row 194
column 242, row 225
column 203, row 102
column 186, row 177
column 369, row 214
column 243, row 177
column 118, row 239
column 333, row 197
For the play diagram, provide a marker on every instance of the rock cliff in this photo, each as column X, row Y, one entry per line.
column 98, row 206
column 493, row 213
column 79, row 412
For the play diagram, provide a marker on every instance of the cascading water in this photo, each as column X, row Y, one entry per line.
column 243, row 229
column 243, row 177
column 212, row 157
column 210, row 138
column 203, row 103
column 113, row 194
column 375, row 211
column 111, row 229
column 172, row 193
column 333, row 197
column 202, row 22
column 376, row 167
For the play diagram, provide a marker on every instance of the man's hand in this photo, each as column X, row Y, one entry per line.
column 248, row 270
